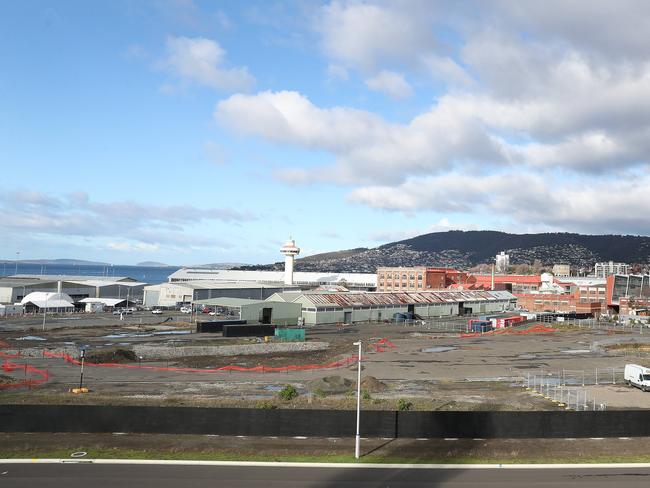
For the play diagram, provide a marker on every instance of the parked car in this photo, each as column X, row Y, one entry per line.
column 186, row 310
column 156, row 311
column 638, row 376
column 123, row 311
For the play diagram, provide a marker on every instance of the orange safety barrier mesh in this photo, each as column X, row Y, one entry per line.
column 255, row 369
column 38, row 376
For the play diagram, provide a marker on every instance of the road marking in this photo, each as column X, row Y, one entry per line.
column 478, row 439
column 624, row 438
column 596, row 438
column 451, row 438
column 119, row 433
column 422, row 439
column 333, row 465
column 299, row 437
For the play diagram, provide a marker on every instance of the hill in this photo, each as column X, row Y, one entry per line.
column 465, row 249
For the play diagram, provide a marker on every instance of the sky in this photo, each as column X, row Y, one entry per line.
column 191, row 132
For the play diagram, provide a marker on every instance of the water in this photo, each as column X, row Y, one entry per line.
column 439, row 349
column 146, row 274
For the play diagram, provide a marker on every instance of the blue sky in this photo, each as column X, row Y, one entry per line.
column 188, row 132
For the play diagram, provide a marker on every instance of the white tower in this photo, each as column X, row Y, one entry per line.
column 290, row 251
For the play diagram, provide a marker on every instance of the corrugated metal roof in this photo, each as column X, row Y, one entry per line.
column 349, row 300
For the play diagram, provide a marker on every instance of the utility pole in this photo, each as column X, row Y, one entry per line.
column 357, row 439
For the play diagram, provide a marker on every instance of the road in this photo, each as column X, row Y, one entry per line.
column 174, row 476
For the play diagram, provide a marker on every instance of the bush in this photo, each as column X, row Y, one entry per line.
column 266, row 405
column 365, row 395
column 288, row 393
column 403, row 405
column 320, row 393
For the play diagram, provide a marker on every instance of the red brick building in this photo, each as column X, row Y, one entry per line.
column 419, row 278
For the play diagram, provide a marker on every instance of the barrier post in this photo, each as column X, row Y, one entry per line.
column 596, row 376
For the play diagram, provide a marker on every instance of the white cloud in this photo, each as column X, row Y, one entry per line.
column 391, row 83
column 367, row 147
column 525, row 198
column 35, row 213
column 365, row 35
column 200, row 60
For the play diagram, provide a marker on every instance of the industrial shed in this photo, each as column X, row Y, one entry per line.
column 39, row 301
column 329, row 308
column 262, row 311
column 179, row 293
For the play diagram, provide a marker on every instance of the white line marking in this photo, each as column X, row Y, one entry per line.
column 596, row 438
column 451, row 438
column 335, row 465
column 299, row 437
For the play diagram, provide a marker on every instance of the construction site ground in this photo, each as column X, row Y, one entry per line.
column 433, row 369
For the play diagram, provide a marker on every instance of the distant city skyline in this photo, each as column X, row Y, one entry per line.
column 187, row 131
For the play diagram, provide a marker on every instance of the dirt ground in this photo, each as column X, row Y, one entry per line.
column 435, row 369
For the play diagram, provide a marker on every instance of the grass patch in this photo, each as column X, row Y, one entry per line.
column 118, row 453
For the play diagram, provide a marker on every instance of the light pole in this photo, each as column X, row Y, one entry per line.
column 357, row 439
column 17, row 254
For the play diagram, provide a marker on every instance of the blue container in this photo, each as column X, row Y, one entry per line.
column 484, row 326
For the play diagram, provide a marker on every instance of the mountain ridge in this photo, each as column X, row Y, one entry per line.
column 466, row 249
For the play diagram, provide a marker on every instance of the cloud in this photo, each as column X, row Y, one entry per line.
column 139, row 225
column 200, row 60
column 391, row 83
column 367, row 147
column 525, row 199
column 365, row 35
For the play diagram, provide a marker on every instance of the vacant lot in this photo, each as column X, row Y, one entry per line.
column 433, row 369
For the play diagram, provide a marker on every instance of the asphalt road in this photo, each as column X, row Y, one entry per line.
column 166, row 476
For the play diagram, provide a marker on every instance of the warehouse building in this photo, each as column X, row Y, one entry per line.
column 175, row 294
column 302, row 279
column 256, row 311
column 14, row 288
column 329, row 308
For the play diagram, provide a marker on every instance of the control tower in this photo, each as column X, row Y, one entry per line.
column 290, row 252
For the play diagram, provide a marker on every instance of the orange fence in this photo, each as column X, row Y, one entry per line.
column 378, row 346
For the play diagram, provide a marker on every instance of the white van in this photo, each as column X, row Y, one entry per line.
column 637, row 376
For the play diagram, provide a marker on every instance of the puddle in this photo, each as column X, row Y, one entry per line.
column 527, row 356
column 439, row 349
column 577, row 351
column 30, row 338
column 125, row 335
column 273, row 388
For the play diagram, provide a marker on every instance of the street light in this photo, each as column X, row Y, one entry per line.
column 357, row 439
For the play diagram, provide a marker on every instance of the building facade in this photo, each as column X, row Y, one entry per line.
column 502, row 262
column 420, row 278
column 561, row 270
column 603, row 270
